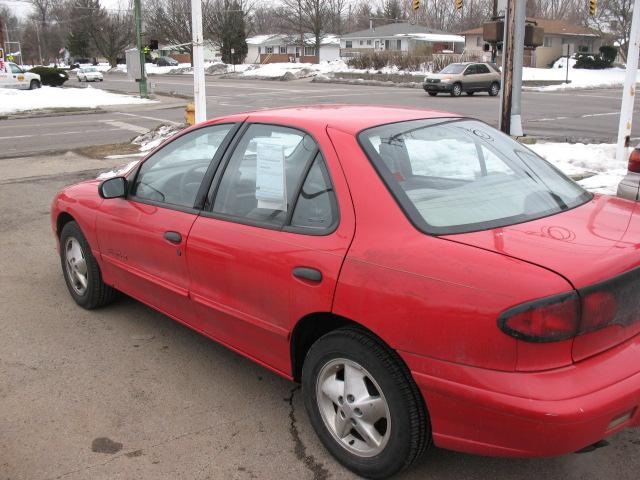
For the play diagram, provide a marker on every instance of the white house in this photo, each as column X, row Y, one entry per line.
column 399, row 37
column 279, row 48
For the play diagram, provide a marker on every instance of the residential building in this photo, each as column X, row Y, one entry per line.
column 400, row 37
column 558, row 35
column 289, row 48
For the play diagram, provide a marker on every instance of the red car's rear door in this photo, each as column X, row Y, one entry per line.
column 264, row 255
column 142, row 237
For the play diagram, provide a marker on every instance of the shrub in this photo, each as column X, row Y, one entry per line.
column 407, row 61
column 53, row 77
column 609, row 53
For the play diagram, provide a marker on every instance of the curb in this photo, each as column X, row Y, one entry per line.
column 45, row 114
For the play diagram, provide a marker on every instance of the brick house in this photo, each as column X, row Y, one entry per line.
column 557, row 35
column 280, row 48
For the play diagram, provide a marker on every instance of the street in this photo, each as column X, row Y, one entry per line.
column 124, row 391
column 583, row 115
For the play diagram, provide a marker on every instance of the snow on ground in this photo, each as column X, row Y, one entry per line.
column 579, row 77
column 299, row 70
column 580, row 159
column 12, row 101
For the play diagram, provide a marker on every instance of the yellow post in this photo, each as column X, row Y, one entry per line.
column 190, row 114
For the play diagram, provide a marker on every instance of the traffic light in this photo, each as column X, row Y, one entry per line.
column 593, row 6
column 459, row 4
column 415, row 4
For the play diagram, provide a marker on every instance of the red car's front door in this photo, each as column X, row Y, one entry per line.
column 142, row 238
column 265, row 255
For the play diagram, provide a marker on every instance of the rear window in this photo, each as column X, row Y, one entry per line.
column 457, row 175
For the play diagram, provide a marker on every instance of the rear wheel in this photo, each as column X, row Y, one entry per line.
column 432, row 94
column 34, row 84
column 494, row 89
column 364, row 404
column 81, row 270
column 456, row 90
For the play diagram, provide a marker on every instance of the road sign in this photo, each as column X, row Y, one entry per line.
column 593, row 7
column 459, row 4
column 415, row 4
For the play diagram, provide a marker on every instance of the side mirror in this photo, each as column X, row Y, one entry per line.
column 115, row 187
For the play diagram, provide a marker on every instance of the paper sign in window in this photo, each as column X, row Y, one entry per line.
column 270, row 176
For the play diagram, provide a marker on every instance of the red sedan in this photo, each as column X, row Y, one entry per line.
column 426, row 278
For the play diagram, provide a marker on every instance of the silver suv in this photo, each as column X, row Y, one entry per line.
column 468, row 77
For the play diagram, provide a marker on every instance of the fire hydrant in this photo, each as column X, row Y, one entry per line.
column 190, row 114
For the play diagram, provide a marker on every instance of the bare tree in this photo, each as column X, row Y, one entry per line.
column 170, row 21
column 113, row 32
column 613, row 20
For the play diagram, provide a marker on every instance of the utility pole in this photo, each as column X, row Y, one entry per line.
column 142, row 83
column 518, row 60
column 507, row 67
column 629, row 92
column 199, row 89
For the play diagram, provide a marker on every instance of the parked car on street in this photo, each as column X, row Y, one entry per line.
column 166, row 62
column 427, row 279
column 13, row 76
column 89, row 74
column 629, row 186
column 468, row 77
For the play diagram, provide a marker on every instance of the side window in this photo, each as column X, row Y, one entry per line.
column 173, row 174
column 316, row 207
column 15, row 68
column 264, row 172
column 471, row 70
column 482, row 68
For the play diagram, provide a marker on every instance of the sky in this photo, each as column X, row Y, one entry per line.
column 22, row 7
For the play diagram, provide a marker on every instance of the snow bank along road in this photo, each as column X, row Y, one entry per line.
column 124, row 392
column 590, row 115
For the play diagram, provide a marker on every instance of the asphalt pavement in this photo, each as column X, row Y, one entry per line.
column 582, row 115
column 126, row 393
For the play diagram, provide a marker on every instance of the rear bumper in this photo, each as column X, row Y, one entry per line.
column 539, row 414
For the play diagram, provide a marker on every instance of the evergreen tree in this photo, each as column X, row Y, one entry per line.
column 233, row 34
column 82, row 15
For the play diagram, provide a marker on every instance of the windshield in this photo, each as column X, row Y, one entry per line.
column 89, row 70
column 453, row 68
column 456, row 176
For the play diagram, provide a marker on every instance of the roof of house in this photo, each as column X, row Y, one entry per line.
column 284, row 39
column 433, row 37
column 392, row 30
column 553, row 27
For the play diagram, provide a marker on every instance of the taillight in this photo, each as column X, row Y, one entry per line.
column 546, row 320
column 634, row 160
column 598, row 310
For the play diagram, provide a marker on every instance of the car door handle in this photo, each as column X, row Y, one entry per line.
column 173, row 237
column 307, row 273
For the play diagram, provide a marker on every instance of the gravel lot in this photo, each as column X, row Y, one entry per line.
column 125, row 392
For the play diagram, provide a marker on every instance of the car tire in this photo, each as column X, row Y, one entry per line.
column 494, row 89
column 34, row 84
column 432, row 94
column 456, row 90
column 81, row 270
column 381, row 384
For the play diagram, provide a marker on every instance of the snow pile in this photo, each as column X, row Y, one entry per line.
column 577, row 159
column 294, row 70
column 579, row 77
column 150, row 140
column 12, row 101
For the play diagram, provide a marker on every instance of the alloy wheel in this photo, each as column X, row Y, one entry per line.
column 76, row 265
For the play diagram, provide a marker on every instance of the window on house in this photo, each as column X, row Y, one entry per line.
column 259, row 50
column 310, row 51
column 478, row 41
column 268, row 49
column 361, row 42
column 283, row 49
column 368, row 42
column 348, row 44
column 387, row 45
column 398, row 44
column 547, row 42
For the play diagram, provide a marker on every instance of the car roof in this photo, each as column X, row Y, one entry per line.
column 348, row 118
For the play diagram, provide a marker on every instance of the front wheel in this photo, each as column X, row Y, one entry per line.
column 456, row 90
column 81, row 270
column 364, row 404
column 34, row 84
column 494, row 89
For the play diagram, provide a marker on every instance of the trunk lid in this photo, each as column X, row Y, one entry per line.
column 588, row 245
